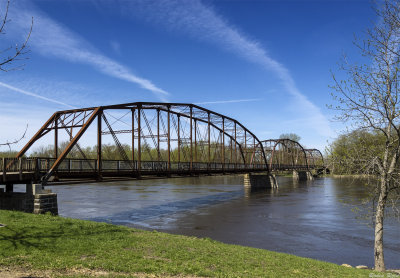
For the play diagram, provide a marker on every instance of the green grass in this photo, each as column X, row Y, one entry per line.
column 56, row 244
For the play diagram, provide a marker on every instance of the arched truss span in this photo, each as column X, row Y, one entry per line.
column 174, row 135
column 285, row 154
column 315, row 158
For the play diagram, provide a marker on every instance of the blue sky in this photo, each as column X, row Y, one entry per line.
column 265, row 63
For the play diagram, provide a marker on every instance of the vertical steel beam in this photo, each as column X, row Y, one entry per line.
column 133, row 137
column 9, row 187
column 235, row 147
column 56, row 137
column 37, row 169
column 223, row 143
column 179, row 138
column 158, row 135
column 254, row 151
column 139, row 138
column 191, row 138
column 4, row 169
column 209, row 138
column 169, row 140
column 195, row 140
column 71, row 131
column 99, row 156
column 245, row 148
column 231, row 149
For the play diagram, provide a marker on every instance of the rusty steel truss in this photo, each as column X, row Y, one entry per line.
column 285, row 154
column 165, row 138
column 315, row 158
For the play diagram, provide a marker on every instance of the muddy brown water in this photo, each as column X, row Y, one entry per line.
column 314, row 219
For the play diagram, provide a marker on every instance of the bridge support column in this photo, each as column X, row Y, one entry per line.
column 302, row 175
column 43, row 200
column 260, row 181
column 9, row 187
column 34, row 200
column 29, row 188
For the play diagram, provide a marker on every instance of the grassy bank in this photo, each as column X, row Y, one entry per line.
column 43, row 245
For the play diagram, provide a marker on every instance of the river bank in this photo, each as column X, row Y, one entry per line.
column 47, row 246
column 313, row 217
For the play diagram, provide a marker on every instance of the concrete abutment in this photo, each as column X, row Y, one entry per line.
column 34, row 200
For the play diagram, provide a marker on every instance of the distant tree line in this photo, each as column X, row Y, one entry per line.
column 350, row 152
column 148, row 153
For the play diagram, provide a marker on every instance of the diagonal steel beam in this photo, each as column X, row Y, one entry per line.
column 70, row 145
column 37, row 136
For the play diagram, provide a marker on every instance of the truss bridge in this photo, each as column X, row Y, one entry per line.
column 150, row 139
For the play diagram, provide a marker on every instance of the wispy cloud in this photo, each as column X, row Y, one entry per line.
column 50, row 38
column 202, row 22
column 228, row 101
column 18, row 90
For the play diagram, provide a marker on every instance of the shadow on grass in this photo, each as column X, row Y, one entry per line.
column 45, row 237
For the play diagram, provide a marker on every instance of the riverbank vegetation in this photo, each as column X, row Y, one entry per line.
column 348, row 154
column 46, row 245
column 113, row 152
column 368, row 98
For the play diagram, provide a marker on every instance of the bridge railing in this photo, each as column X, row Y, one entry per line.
column 12, row 164
column 72, row 165
column 77, row 165
column 283, row 167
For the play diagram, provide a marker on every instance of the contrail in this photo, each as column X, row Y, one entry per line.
column 15, row 89
column 50, row 38
column 201, row 22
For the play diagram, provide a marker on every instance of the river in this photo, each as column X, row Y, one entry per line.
column 314, row 219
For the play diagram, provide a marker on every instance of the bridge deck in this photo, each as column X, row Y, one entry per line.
column 27, row 170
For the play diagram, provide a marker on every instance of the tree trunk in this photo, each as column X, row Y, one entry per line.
column 379, row 217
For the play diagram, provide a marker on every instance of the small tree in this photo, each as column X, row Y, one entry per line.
column 370, row 99
column 291, row 136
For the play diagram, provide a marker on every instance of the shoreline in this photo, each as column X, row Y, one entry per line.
column 55, row 246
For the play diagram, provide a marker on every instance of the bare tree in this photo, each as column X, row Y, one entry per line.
column 13, row 53
column 369, row 98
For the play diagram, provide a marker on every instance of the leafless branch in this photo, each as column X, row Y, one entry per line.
column 5, row 17
column 16, row 52
column 16, row 141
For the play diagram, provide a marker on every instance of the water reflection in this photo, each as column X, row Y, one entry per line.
column 137, row 217
column 311, row 219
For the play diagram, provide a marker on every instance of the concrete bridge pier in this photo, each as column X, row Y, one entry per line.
column 260, row 181
column 44, row 200
column 302, row 175
column 34, row 200
column 9, row 187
